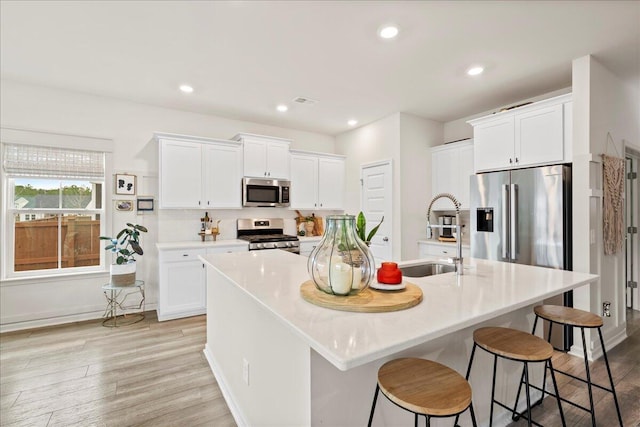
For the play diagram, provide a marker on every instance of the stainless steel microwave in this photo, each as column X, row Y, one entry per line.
column 260, row 192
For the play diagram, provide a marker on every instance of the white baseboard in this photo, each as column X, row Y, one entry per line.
column 20, row 325
column 224, row 388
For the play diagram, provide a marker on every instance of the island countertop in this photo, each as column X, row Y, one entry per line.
column 346, row 339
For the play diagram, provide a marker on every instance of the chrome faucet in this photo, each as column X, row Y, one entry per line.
column 458, row 262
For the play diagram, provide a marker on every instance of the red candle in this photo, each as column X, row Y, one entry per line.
column 389, row 274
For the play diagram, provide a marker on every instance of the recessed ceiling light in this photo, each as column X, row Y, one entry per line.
column 282, row 108
column 186, row 88
column 388, row 31
column 352, row 122
column 474, row 71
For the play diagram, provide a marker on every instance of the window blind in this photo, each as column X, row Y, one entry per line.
column 52, row 162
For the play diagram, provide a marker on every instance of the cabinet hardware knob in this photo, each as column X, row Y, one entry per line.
column 517, row 160
column 185, row 254
column 385, row 239
column 510, row 160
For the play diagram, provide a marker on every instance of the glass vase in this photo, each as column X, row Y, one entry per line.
column 341, row 264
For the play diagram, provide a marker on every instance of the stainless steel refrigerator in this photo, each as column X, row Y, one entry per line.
column 524, row 216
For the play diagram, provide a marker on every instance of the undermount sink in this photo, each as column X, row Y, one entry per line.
column 427, row 269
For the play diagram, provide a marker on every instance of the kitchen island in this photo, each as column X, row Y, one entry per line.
column 280, row 360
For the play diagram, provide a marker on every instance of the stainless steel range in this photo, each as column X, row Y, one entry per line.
column 267, row 234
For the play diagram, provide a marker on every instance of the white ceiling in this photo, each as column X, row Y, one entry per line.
column 245, row 57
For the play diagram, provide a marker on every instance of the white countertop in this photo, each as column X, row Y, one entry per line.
column 486, row 290
column 199, row 244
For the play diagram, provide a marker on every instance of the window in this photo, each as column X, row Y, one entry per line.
column 54, row 209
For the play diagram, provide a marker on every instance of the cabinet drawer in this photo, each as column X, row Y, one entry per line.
column 227, row 249
column 181, row 255
column 426, row 249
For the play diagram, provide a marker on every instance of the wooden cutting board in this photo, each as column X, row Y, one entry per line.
column 367, row 301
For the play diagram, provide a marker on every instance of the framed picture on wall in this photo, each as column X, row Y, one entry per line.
column 145, row 203
column 124, row 205
column 125, row 184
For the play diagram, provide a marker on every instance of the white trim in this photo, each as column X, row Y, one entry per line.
column 54, row 139
column 224, row 388
column 376, row 163
column 94, row 312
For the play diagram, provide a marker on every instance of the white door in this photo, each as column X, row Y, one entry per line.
column 376, row 201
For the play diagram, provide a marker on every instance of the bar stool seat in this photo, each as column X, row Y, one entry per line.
column 583, row 320
column 423, row 387
column 513, row 344
column 568, row 316
column 518, row 346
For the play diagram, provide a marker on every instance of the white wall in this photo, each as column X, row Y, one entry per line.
column 130, row 126
column 418, row 135
column 405, row 139
column 603, row 105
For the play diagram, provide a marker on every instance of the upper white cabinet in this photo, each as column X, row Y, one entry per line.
column 531, row 135
column 199, row 172
column 265, row 156
column 451, row 168
column 317, row 181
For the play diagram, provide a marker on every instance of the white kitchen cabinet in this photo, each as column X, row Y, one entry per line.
column 439, row 249
column 317, row 180
column 531, row 135
column 265, row 156
column 451, row 169
column 182, row 287
column 308, row 244
column 199, row 172
column 180, row 176
column 182, row 280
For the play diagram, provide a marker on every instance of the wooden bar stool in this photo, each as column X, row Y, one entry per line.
column 583, row 320
column 518, row 346
column 425, row 388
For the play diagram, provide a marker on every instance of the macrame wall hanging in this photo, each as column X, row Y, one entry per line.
column 613, row 210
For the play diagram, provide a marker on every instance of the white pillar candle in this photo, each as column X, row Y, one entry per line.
column 357, row 278
column 340, row 278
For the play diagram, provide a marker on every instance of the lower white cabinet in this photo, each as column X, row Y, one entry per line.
column 182, row 285
column 307, row 246
column 445, row 250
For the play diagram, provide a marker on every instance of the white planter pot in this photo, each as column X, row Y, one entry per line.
column 123, row 274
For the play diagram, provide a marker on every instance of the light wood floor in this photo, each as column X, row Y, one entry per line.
column 147, row 374
column 155, row 374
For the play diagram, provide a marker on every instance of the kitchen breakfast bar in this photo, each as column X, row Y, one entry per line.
column 282, row 361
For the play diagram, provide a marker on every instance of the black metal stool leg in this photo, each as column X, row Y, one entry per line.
column 473, row 416
column 415, row 420
column 613, row 390
column 473, row 352
column 527, row 392
column 493, row 389
column 586, row 366
column 373, row 406
column 557, row 391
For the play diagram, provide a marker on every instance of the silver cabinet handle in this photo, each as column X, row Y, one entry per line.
column 514, row 221
column 505, row 220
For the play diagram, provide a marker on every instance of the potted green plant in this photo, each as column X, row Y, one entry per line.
column 361, row 225
column 125, row 245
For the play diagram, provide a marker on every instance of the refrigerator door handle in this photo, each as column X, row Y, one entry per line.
column 505, row 221
column 514, row 221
